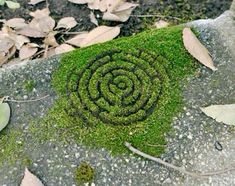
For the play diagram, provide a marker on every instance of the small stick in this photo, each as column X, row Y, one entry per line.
column 7, row 99
column 180, row 169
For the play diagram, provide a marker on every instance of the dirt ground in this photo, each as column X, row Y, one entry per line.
column 174, row 11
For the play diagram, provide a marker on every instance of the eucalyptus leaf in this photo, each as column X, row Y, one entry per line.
column 12, row 4
column 5, row 113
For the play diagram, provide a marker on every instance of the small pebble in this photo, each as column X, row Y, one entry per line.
column 218, row 146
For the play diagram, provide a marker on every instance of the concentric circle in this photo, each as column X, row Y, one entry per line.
column 117, row 87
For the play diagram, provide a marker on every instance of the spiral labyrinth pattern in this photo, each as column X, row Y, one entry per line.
column 117, row 87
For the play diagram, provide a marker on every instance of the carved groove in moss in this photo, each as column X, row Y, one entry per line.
column 117, row 87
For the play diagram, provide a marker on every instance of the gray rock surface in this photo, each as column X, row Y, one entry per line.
column 192, row 145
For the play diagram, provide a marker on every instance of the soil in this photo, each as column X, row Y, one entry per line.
column 174, row 11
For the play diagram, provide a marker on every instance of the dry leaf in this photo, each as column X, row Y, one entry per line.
column 34, row 2
column 99, row 35
column 63, row 48
column 125, row 6
column 76, row 41
column 221, row 113
column 161, row 24
column 78, row 1
column 16, row 23
column 5, row 113
column 196, row 49
column 94, row 5
column 93, row 18
column 27, row 51
column 5, row 44
column 46, row 24
column 31, row 32
column 67, row 23
column 38, row 14
column 113, row 4
column 30, row 179
column 50, row 40
column 12, row 4
column 20, row 41
column 120, row 13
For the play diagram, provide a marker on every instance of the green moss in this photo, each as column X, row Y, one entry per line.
column 29, row 85
column 84, row 173
column 102, row 114
column 11, row 146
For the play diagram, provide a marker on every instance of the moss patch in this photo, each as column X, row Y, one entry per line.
column 124, row 90
column 84, row 173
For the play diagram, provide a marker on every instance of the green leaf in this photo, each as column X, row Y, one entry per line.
column 5, row 113
column 12, row 5
column 2, row 2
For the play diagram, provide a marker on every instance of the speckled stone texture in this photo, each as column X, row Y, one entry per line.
column 191, row 144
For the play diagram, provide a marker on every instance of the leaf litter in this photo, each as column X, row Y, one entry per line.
column 43, row 37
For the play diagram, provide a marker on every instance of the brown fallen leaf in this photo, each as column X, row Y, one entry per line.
column 5, row 44
column 63, row 48
column 30, row 179
column 16, row 23
column 34, row 2
column 99, row 35
column 76, row 41
column 40, row 13
column 67, row 23
column 120, row 13
column 50, row 40
column 113, row 4
column 20, row 41
column 196, row 49
column 46, row 24
column 27, row 51
column 31, row 32
column 221, row 113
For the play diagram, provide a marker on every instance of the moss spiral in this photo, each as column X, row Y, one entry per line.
column 117, row 87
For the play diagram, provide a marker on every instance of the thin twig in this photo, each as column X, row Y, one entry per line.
column 152, row 145
column 156, row 15
column 180, row 169
column 7, row 99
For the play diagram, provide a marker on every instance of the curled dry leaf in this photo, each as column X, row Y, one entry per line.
column 196, row 49
column 93, row 18
column 78, row 1
column 30, row 179
column 16, row 23
column 67, row 23
column 5, row 113
column 34, row 2
column 221, row 113
column 28, row 50
column 99, row 35
column 76, row 41
column 63, row 48
column 120, row 13
column 20, row 41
